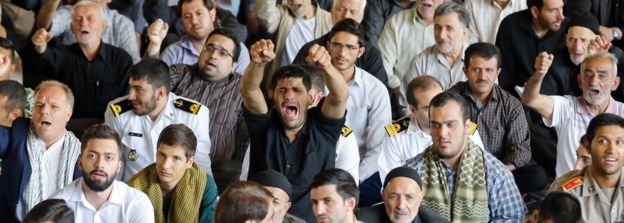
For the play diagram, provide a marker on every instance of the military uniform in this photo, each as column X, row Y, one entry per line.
column 139, row 134
column 596, row 205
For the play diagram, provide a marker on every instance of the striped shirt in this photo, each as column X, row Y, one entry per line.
column 228, row 132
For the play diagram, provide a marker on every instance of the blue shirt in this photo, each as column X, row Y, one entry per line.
column 183, row 52
column 504, row 201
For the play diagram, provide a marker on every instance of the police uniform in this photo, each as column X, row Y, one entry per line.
column 406, row 140
column 139, row 134
column 596, row 204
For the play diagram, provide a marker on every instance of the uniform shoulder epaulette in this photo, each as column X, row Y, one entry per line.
column 346, row 131
column 121, row 107
column 186, row 105
column 473, row 128
column 397, row 126
column 572, row 180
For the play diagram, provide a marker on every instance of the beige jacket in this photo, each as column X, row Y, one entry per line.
column 276, row 19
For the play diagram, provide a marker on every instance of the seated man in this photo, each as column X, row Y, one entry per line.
column 119, row 33
column 281, row 189
column 179, row 190
column 95, row 71
column 199, row 20
column 140, row 116
column 12, row 101
column 599, row 187
column 245, row 202
column 370, row 60
column 40, row 153
column 287, row 137
column 411, row 135
column 499, row 116
column 570, row 115
column 402, row 195
column 368, row 103
column 98, row 196
column 583, row 157
column 458, row 175
column 334, row 196
column 557, row 207
column 378, row 12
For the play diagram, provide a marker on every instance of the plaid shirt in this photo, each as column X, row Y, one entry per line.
column 504, row 200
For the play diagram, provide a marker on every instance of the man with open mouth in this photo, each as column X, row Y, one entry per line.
column 39, row 151
column 568, row 114
column 599, row 187
column 286, row 136
column 98, row 196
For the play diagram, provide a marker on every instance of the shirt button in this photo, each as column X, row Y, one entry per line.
column 287, row 165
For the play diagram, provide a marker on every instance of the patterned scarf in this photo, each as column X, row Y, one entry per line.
column 470, row 201
column 33, row 193
column 187, row 194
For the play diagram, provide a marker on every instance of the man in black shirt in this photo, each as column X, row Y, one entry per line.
column 95, row 71
column 287, row 137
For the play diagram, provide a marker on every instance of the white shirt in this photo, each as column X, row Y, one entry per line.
column 486, row 16
column 404, row 36
column 396, row 150
column 570, row 118
column 347, row 157
column 301, row 33
column 368, row 111
column 125, row 204
column 139, row 134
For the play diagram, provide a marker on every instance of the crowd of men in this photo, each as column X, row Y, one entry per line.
column 235, row 111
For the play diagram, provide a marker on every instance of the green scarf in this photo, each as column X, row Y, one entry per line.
column 470, row 200
column 187, row 194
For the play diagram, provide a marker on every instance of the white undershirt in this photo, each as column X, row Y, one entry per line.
column 301, row 33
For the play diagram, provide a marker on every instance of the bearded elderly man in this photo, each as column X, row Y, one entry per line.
column 95, row 71
column 32, row 148
column 570, row 115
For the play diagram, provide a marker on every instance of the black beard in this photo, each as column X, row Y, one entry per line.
column 98, row 186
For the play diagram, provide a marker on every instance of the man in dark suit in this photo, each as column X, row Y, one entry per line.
column 402, row 195
column 38, row 155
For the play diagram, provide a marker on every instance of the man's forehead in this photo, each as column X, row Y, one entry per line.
column 356, row 4
column 221, row 40
column 290, row 81
column 492, row 62
column 613, row 131
column 51, row 93
column 87, row 10
column 598, row 64
column 446, row 19
column 344, row 37
column 576, row 31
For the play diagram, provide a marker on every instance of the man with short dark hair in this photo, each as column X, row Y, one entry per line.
column 458, row 175
column 12, row 101
column 498, row 116
column 287, row 137
column 557, row 207
column 402, row 195
column 245, row 202
column 281, row 190
column 599, row 187
column 147, row 109
column 179, row 190
column 41, row 148
column 334, row 196
column 98, row 196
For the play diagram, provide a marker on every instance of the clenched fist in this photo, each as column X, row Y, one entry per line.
column 262, row 52
column 543, row 62
column 157, row 31
column 40, row 39
column 318, row 56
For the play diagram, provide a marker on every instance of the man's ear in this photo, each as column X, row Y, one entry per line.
column 351, row 203
column 534, row 216
column 616, row 83
column 16, row 113
column 534, row 12
column 213, row 14
column 361, row 51
column 190, row 161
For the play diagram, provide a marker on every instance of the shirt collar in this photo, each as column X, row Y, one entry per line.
column 103, row 50
column 187, row 44
column 169, row 110
column 591, row 188
column 358, row 78
column 413, row 127
column 441, row 57
column 79, row 196
column 583, row 108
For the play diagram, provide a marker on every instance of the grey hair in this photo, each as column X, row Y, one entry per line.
column 69, row 96
column 335, row 3
column 449, row 7
column 89, row 2
column 612, row 59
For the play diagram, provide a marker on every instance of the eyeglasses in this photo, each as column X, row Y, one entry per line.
column 336, row 46
column 211, row 48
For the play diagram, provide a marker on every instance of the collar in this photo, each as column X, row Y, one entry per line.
column 440, row 57
column 583, row 107
column 358, row 77
column 591, row 188
column 413, row 127
column 79, row 196
column 103, row 50
column 493, row 3
column 416, row 19
column 187, row 44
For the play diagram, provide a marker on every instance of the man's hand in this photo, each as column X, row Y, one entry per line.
column 543, row 62
column 262, row 52
column 318, row 56
column 157, row 31
column 40, row 39
column 598, row 45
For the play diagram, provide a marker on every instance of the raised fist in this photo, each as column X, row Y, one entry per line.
column 40, row 39
column 543, row 62
column 261, row 52
column 318, row 56
column 157, row 31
